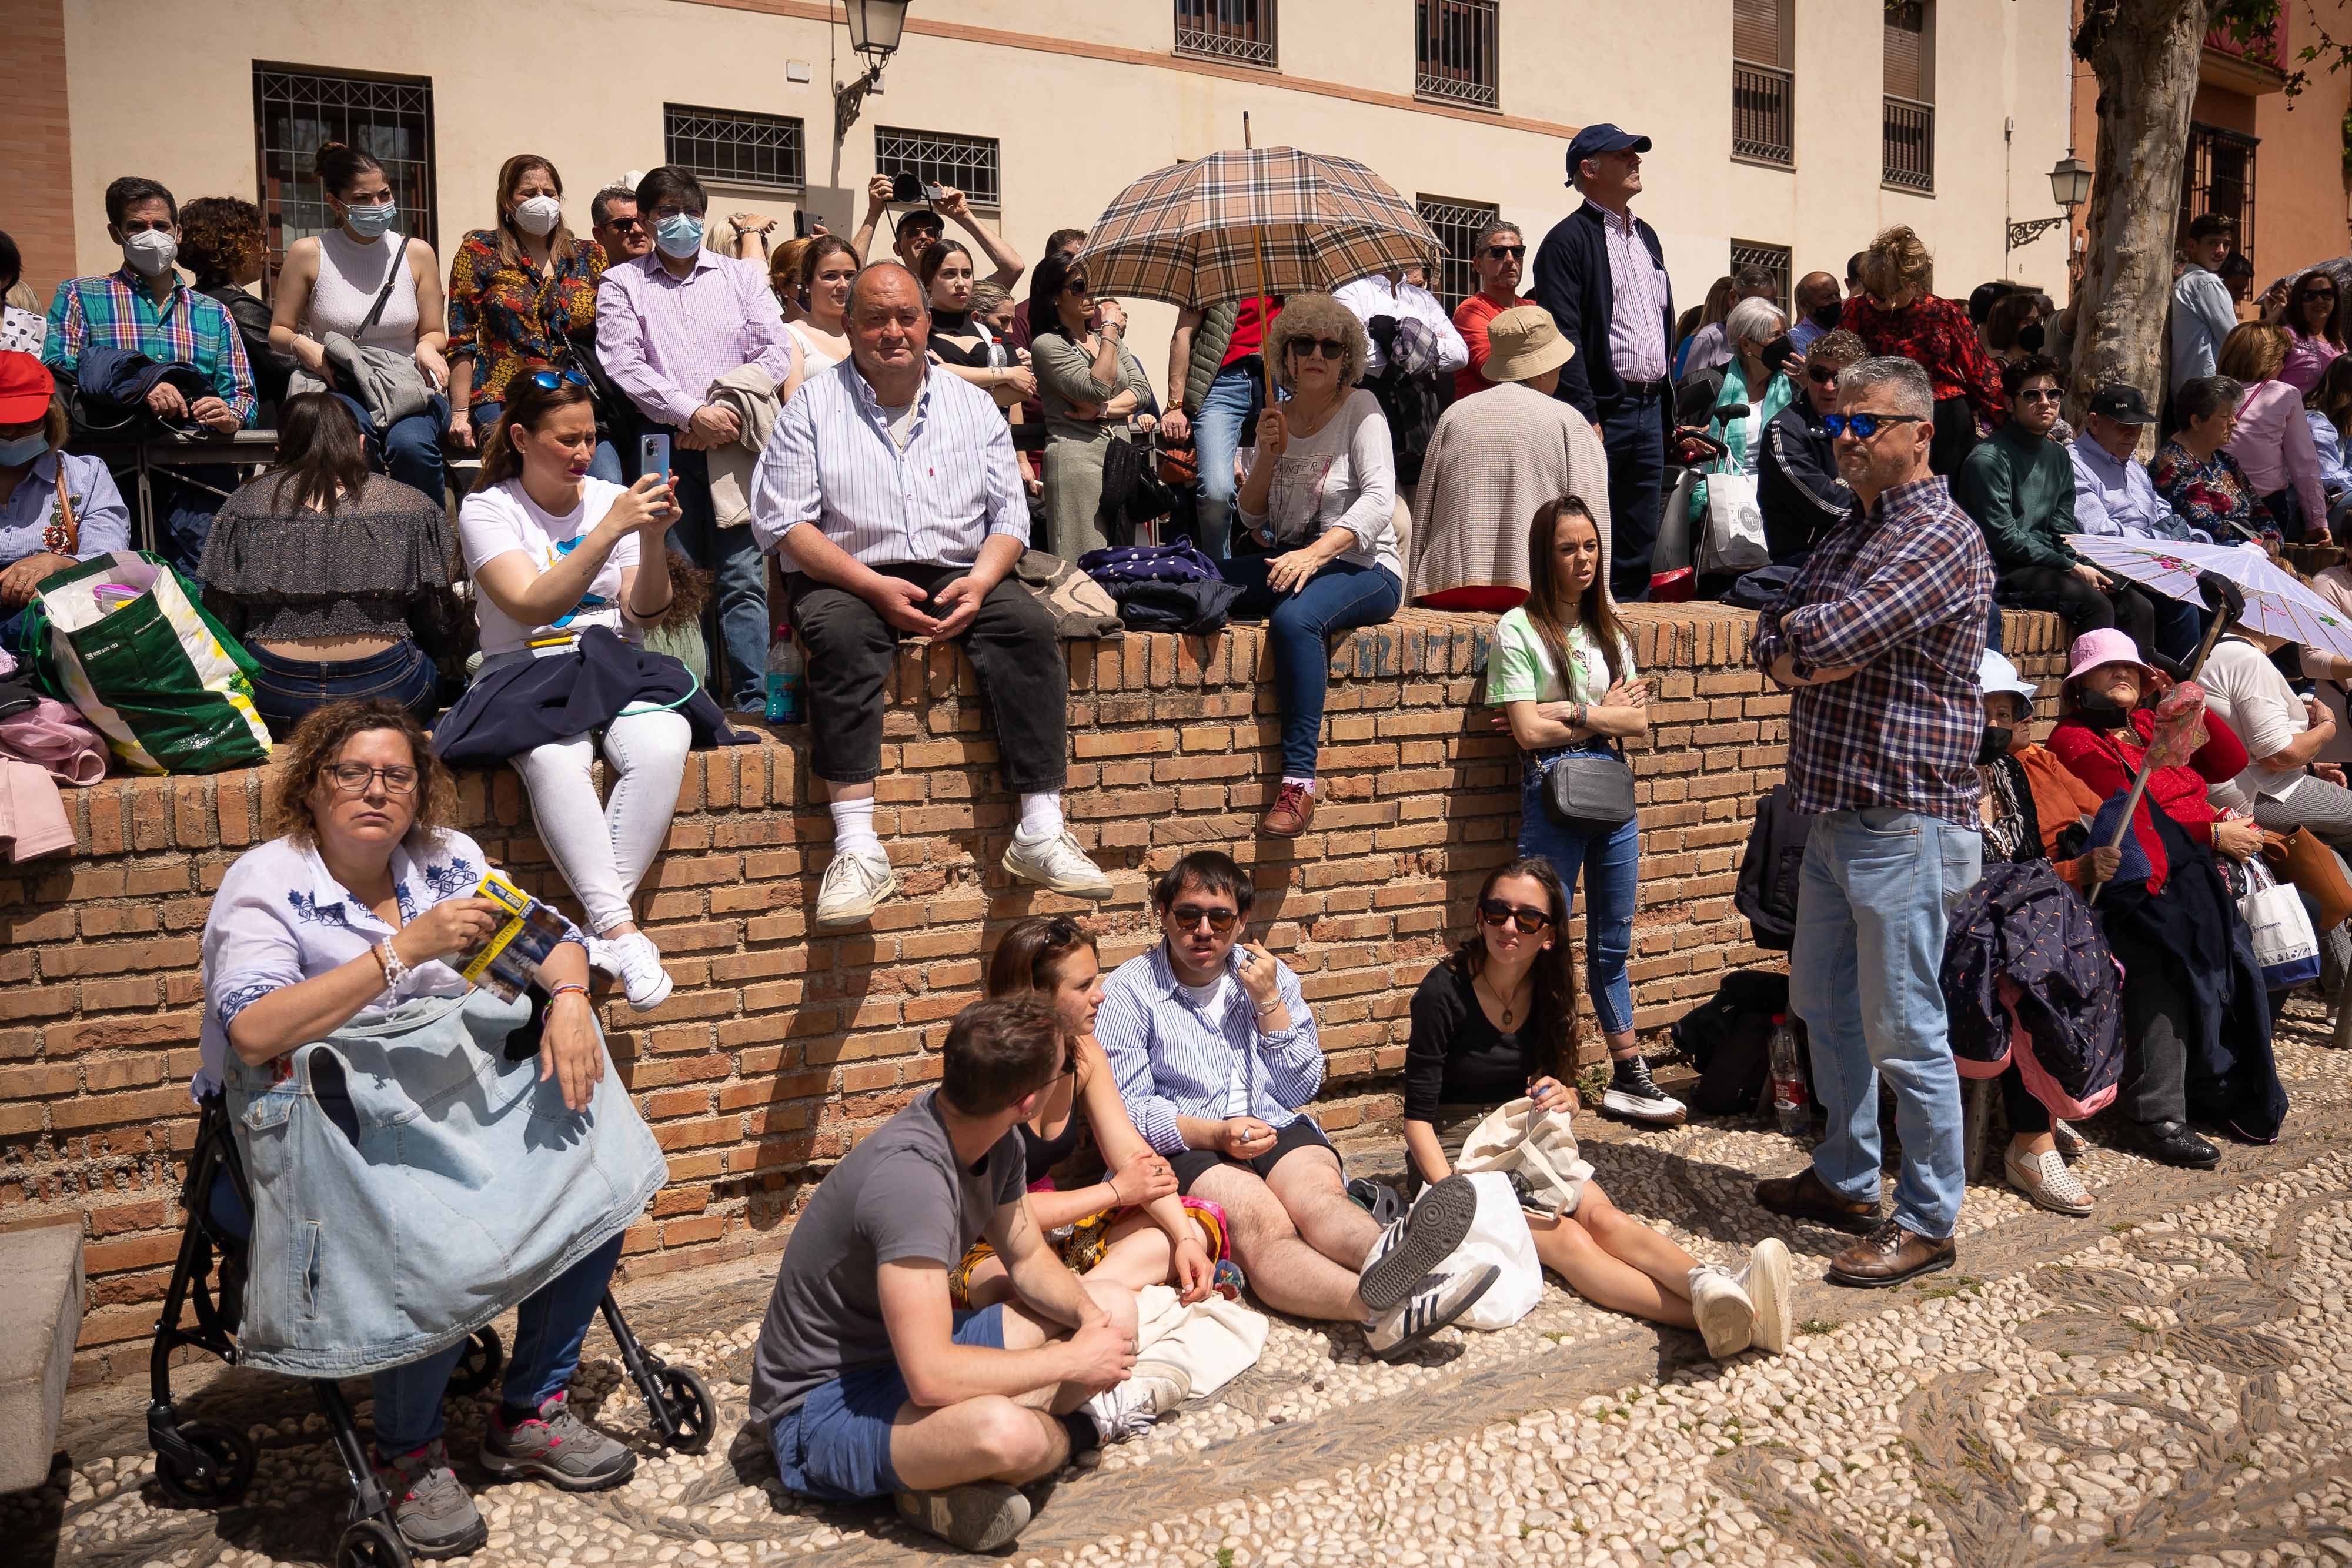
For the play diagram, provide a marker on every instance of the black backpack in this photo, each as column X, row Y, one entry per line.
column 1770, row 871
column 1728, row 1038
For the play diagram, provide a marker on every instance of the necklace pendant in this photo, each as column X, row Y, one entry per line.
column 1506, row 1016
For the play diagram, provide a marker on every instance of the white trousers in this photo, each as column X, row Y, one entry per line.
column 605, row 848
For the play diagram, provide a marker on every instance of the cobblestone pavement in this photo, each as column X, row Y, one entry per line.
column 2165, row 1384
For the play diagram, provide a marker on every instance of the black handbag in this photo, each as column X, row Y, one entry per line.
column 1589, row 791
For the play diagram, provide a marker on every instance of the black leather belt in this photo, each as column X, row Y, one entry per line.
column 1647, row 389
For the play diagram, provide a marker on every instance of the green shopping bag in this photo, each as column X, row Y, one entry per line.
column 167, row 686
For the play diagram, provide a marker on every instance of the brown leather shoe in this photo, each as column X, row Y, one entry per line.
column 1806, row 1197
column 1888, row 1256
column 1293, row 808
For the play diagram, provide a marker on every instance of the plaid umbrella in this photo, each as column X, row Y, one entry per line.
column 1186, row 234
column 2276, row 603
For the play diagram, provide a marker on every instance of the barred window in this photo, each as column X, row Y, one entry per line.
column 1457, row 224
column 972, row 164
column 735, row 147
column 1239, row 30
column 296, row 110
column 1773, row 258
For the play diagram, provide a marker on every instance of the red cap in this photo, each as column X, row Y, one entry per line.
column 25, row 385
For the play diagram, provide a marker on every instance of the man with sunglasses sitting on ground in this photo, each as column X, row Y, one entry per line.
column 1215, row 1051
column 1798, row 485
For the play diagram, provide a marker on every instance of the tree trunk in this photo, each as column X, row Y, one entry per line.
column 2144, row 53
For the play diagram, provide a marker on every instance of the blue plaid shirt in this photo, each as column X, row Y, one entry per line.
column 188, row 329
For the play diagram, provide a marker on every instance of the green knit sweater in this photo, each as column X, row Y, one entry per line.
column 2021, row 490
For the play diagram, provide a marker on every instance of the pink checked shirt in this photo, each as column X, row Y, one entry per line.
column 663, row 339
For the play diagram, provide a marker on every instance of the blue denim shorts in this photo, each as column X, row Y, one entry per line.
column 835, row 1445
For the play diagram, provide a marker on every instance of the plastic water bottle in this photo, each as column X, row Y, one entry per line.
column 1789, row 1108
column 787, row 680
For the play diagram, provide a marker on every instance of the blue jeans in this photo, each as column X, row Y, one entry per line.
column 1878, row 889
column 1227, row 421
column 736, row 624
column 284, row 690
column 1609, row 898
column 1341, row 595
column 606, row 465
column 550, row 1328
column 411, row 450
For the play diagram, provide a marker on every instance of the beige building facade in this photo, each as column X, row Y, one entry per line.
column 1793, row 129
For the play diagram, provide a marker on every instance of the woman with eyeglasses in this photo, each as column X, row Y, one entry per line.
column 1898, row 314
column 1129, row 1226
column 1320, row 497
column 1562, row 672
column 339, row 581
column 2315, row 325
column 522, row 300
column 555, row 551
column 363, row 281
column 1494, row 1022
column 2271, row 440
column 1094, row 390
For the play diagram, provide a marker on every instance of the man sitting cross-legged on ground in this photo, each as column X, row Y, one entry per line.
column 1214, row 1052
column 871, row 1383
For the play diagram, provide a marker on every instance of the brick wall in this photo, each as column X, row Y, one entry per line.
column 36, row 187
column 777, row 1045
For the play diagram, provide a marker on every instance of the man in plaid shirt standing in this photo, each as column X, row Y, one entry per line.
column 1879, row 638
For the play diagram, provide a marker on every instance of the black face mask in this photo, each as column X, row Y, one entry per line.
column 2030, row 338
column 1828, row 316
column 1995, row 745
column 2095, row 710
column 1777, row 352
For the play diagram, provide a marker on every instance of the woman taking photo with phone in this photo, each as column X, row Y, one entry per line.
column 1562, row 673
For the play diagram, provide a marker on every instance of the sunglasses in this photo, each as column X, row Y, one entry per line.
column 1863, row 426
column 1505, row 251
column 2319, row 294
column 1820, row 375
column 625, row 226
column 1329, row 348
column 1189, row 916
column 548, row 380
column 1077, row 286
column 2041, row 394
column 1495, row 912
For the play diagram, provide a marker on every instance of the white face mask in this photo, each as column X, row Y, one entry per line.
column 149, row 252
column 539, row 214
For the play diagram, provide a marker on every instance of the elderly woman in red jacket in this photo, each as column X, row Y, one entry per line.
column 1897, row 313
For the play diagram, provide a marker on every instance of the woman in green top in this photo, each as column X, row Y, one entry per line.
column 1569, row 624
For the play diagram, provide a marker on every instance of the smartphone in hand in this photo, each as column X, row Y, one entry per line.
column 652, row 454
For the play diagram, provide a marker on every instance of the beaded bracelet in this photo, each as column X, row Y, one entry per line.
column 394, row 971
column 567, row 986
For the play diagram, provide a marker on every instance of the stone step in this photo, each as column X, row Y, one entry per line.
column 37, row 1345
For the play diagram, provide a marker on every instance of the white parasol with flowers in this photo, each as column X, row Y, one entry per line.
column 2276, row 602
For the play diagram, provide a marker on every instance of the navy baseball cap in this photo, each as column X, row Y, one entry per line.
column 1595, row 140
column 2123, row 404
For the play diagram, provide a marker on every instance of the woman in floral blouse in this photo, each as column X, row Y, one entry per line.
column 518, row 294
column 2201, row 483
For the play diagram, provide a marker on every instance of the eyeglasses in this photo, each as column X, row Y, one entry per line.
column 1189, row 916
column 2319, row 294
column 1820, row 375
column 625, row 226
column 1495, row 912
column 1076, row 285
column 1329, row 348
column 353, row 778
column 2041, row 394
column 1505, row 251
column 548, row 380
column 1863, row 426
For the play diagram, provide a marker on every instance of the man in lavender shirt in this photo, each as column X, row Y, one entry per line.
column 668, row 324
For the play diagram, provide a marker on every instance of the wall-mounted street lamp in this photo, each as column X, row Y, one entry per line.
column 2070, row 187
column 875, row 26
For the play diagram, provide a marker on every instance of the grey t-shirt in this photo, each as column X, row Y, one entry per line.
column 900, row 1193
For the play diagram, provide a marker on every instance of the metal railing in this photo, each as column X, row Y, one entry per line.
column 1763, row 101
column 1239, row 30
column 1910, row 143
column 1455, row 57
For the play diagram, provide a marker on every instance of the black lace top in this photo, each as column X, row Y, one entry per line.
column 380, row 566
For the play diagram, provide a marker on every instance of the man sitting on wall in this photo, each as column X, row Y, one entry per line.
column 871, row 1382
column 1214, row 1052
column 890, row 495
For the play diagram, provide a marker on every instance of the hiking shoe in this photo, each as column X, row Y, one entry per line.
column 1434, row 1300
column 430, row 1506
column 1412, row 1248
column 1056, row 864
column 1635, row 1096
column 855, row 884
column 2044, row 1179
column 980, row 1516
column 1293, row 809
column 1726, row 1318
column 637, row 963
column 1890, row 1255
column 556, row 1446
column 1766, row 1279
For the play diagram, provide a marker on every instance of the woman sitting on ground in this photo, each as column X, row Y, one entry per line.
column 554, row 552
column 1131, row 1226
column 336, row 580
column 1496, row 1021
column 357, row 908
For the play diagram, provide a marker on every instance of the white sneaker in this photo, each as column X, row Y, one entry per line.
column 1439, row 1300
column 1164, row 1385
column 2044, row 1179
column 1057, row 863
column 1726, row 1318
column 600, row 956
column 638, row 962
column 855, row 884
column 1415, row 1247
column 1767, row 1281
column 1121, row 1411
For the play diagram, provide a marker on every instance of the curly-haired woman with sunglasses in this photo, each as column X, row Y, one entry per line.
column 1494, row 1022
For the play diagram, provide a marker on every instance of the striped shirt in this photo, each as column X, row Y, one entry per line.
column 1902, row 591
column 1172, row 1060
column 831, row 460
column 665, row 339
column 1637, row 316
column 188, row 329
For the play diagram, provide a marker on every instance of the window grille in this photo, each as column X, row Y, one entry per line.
column 972, row 164
column 296, row 109
column 1457, row 224
column 1239, row 30
column 735, row 147
column 1454, row 53
column 1773, row 258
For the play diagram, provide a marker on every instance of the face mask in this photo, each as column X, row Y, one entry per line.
column 23, row 450
column 1995, row 745
column 1828, row 316
column 2030, row 338
column 368, row 223
column 149, row 252
column 2094, row 709
column 539, row 216
column 1778, row 353
column 678, row 234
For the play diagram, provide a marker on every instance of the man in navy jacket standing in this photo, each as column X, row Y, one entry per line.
column 1602, row 275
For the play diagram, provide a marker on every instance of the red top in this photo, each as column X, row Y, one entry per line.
column 1470, row 319
column 2106, row 761
column 1935, row 334
column 1249, row 331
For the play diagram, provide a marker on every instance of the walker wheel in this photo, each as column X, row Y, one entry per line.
column 479, row 1366
column 372, row 1544
column 218, row 1474
column 687, row 1416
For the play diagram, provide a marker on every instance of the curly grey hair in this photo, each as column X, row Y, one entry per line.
column 1316, row 316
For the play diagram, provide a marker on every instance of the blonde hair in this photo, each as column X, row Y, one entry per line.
column 1897, row 263
column 1316, row 316
column 2254, row 352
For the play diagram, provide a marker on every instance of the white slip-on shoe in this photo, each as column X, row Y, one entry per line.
column 980, row 1516
column 855, row 886
column 2071, row 1144
column 1767, row 1281
column 2046, row 1182
column 1057, row 864
column 1437, row 1302
column 1726, row 1318
column 638, row 963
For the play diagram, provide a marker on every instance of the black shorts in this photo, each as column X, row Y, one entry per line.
column 1193, row 1164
